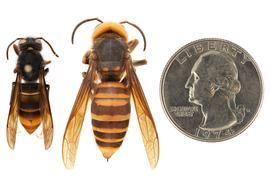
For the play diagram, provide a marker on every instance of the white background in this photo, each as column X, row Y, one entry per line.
column 168, row 25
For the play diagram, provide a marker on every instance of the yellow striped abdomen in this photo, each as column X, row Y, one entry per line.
column 110, row 111
column 29, row 106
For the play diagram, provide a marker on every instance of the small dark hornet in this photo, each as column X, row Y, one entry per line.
column 30, row 93
column 108, row 83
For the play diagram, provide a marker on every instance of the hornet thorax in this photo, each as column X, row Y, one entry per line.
column 110, row 49
column 30, row 63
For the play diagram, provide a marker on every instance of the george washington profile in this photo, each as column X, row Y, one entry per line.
column 213, row 85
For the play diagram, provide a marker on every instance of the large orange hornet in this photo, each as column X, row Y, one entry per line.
column 108, row 83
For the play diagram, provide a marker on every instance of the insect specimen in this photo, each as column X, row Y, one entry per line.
column 30, row 93
column 108, row 83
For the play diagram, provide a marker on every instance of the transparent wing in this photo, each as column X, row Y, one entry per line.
column 146, row 121
column 47, row 120
column 74, row 125
column 13, row 113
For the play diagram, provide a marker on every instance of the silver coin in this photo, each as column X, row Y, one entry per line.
column 211, row 90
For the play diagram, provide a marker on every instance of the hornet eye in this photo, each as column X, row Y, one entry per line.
column 38, row 41
column 22, row 41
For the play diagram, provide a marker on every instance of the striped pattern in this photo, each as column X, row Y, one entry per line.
column 29, row 106
column 110, row 111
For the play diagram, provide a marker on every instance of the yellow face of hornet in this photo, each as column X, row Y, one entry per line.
column 110, row 27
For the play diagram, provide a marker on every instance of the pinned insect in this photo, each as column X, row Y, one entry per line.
column 108, row 83
column 30, row 93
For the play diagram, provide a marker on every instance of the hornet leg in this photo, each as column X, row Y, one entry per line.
column 89, row 56
column 46, row 71
column 16, row 49
column 139, row 62
column 132, row 44
column 83, row 74
column 16, row 69
column 86, row 57
column 47, row 62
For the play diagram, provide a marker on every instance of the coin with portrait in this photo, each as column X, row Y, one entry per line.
column 211, row 89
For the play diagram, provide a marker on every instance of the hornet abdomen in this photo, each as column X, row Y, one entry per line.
column 110, row 116
column 29, row 106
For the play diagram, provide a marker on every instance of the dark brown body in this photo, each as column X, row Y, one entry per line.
column 29, row 102
column 30, row 93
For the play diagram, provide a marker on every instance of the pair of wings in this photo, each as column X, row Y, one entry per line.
column 45, row 112
column 74, row 125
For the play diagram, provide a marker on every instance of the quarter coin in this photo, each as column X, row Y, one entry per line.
column 211, row 89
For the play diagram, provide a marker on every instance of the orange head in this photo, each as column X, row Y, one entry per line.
column 110, row 27
column 105, row 27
